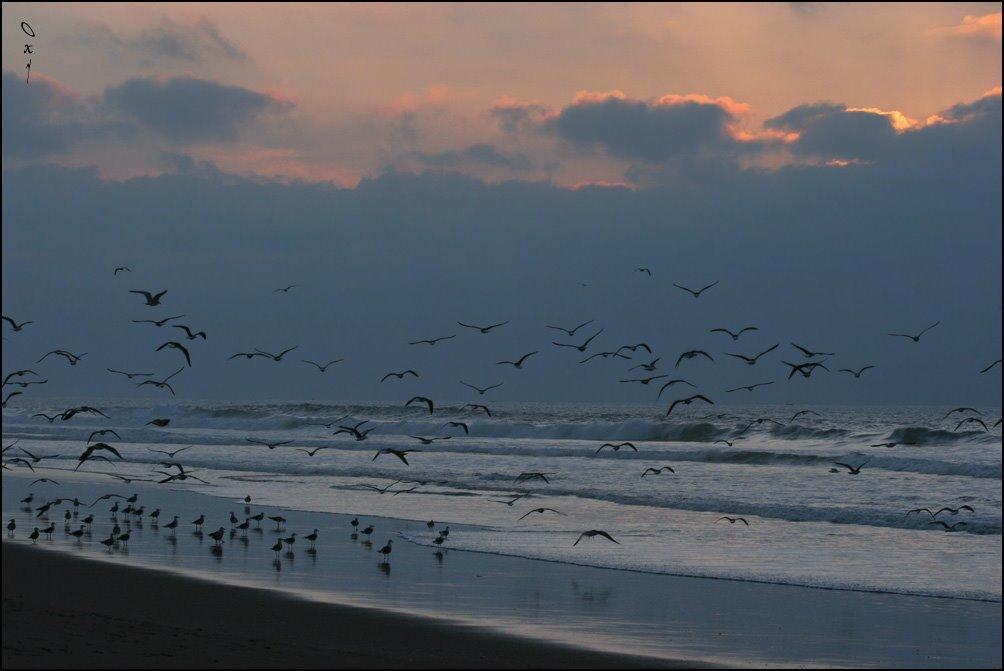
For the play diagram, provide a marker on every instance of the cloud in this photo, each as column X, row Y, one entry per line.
column 188, row 109
column 987, row 27
column 39, row 119
column 514, row 117
column 192, row 41
column 479, row 154
column 670, row 127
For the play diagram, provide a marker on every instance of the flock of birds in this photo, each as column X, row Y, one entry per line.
column 172, row 470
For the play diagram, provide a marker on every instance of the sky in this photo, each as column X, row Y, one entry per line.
column 836, row 167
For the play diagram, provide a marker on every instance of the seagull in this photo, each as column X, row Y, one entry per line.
column 541, row 511
column 583, row 346
column 70, row 357
column 19, row 460
column 645, row 380
column 571, row 332
column 688, row 401
column 314, row 451
column 199, row 521
column 921, row 510
column 14, row 325
column 170, row 454
column 161, row 384
column 891, row 444
column 477, row 406
column 852, row 470
column 248, row 355
column 481, row 390
column 386, row 550
column 217, row 536
column 286, row 289
column 11, row 526
column 400, row 454
column 151, row 298
column 460, row 425
column 995, row 363
column 733, row 520
column 730, row 443
column 953, row 511
column 277, row 357
column 50, row 418
column 354, row 430
column 804, row 368
column 429, row 441
column 696, row 294
column 43, row 481
column 119, row 269
column 749, row 387
column 692, row 354
column 735, row 336
column 974, row 420
column 26, row 384
column 432, row 341
column 19, row 373
column 400, row 375
column 533, row 475
column 156, row 322
column 269, row 444
column 35, row 458
column 669, row 384
column 128, row 375
column 513, row 500
column 594, row 532
column 159, row 422
column 965, row 409
column 643, row 270
column 173, row 524
column 751, row 360
column 616, row 447
column 855, row 373
column 189, row 333
column 759, row 420
column 277, row 548
column 178, row 346
column 650, row 366
column 483, row 329
column 809, row 353
column 312, row 537
column 518, row 363
column 422, row 399
column 322, row 368
column 947, row 527
column 89, row 452
column 605, row 355
column 915, row 338
column 657, row 471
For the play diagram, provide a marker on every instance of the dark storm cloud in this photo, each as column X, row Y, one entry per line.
column 833, row 131
column 476, row 154
column 188, row 109
column 649, row 131
column 187, row 42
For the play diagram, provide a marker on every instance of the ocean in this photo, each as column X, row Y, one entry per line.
column 811, row 522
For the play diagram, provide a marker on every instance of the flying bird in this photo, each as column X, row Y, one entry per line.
column 171, row 344
column 803, row 412
column 991, row 366
column 852, row 470
column 657, row 471
column 541, row 511
column 688, row 401
column 481, row 390
column 277, row 357
column 964, row 409
column 422, row 399
column 400, row 375
column 733, row 520
column 583, row 346
column 974, row 420
column 269, row 444
column 643, row 270
column 751, row 360
column 809, row 354
column 151, row 298
column 460, row 425
column 70, row 357
column 162, row 384
column 128, row 375
column 690, row 354
column 400, row 454
column 735, row 336
column 947, row 527
column 322, row 367
column 650, row 366
column 14, row 325
column 616, row 447
column 483, row 329
column 189, row 333
column 669, row 384
column 645, row 380
column 285, row 290
column 518, row 363
column 855, row 373
column 749, row 387
column 120, row 269
column 477, row 406
column 571, row 332
column 594, row 532
column 697, row 293
column 157, row 322
column 432, row 341
column 915, row 338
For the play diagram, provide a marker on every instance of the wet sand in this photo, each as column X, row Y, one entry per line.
column 62, row 611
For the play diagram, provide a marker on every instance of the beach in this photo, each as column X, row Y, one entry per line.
column 60, row 611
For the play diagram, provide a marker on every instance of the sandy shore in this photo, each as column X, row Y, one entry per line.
column 61, row 611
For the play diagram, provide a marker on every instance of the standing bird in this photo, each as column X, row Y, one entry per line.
column 312, row 537
column 277, row 548
column 198, row 522
column 386, row 550
column 217, row 536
